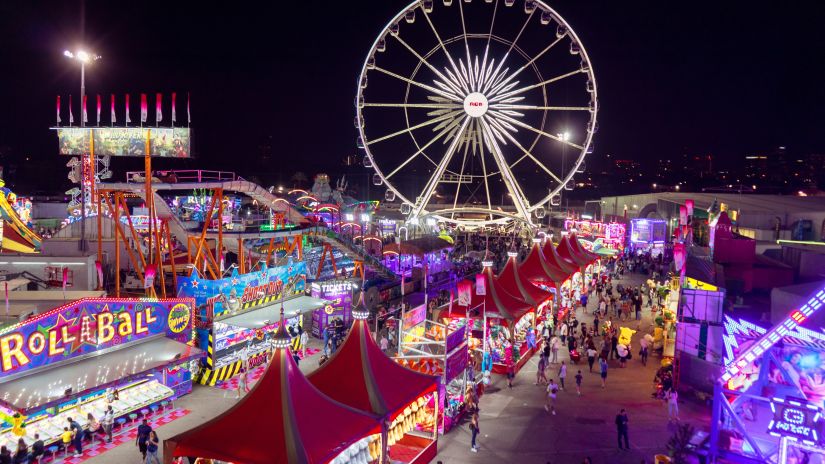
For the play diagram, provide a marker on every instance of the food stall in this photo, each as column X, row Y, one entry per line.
column 361, row 376
column 648, row 235
column 70, row 361
column 294, row 423
column 238, row 315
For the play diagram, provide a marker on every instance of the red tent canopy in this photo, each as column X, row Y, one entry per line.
column 497, row 301
column 283, row 419
column 551, row 255
column 515, row 283
column 362, row 376
column 578, row 248
column 566, row 251
column 535, row 267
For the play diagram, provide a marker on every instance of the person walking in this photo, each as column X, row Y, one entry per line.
column 152, row 444
column 562, row 374
column 108, row 422
column 603, row 369
column 554, row 348
column 142, row 438
column 304, row 343
column 474, row 429
column 591, row 356
column 672, row 398
column 614, row 342
column 621, row 429
column 511, row 372
column 550, row 403
column 643, row 350
column 563, row 330
column 541, row 377
column 579, row 383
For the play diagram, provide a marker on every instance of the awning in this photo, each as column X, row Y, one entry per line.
column 92, row 372
column 267, row 314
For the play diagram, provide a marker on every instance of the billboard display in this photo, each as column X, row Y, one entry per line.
column 164, row 142
column 89, row 325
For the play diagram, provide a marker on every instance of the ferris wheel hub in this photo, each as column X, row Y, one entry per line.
column 475, row 104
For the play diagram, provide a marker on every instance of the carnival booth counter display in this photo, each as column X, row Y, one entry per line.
column 360, row 375
column 292, row 423
column 131, row 354
column 516, row 282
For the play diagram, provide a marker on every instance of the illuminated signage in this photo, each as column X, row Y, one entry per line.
column 89, row 325
column 795, row 418
column 163, row 142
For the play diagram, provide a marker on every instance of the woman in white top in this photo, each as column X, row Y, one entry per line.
column 672, row 398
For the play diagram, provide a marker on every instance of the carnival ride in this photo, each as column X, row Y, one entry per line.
column 17, row 235
column 453, row 125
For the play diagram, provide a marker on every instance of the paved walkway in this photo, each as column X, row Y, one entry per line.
column 513, row 422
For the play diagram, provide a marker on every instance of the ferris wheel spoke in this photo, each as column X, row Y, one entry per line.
column 526, row 152
column 460, row 177
column 486, row 176
column 530, row 87
column 463, row 84
column 432, row 89
column 440, row 134
column 500, row 116
column 505, row 106
column 421, row 202
column 414, row 105
column 473, row 76
column 526, row 65
column 507, row 176
column 412, row 128
column 509, row 50
column 426, row 63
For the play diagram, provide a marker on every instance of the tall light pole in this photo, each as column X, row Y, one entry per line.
column 83, row 58
column 563, row 138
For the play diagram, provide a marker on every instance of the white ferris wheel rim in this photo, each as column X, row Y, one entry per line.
column 503, row 217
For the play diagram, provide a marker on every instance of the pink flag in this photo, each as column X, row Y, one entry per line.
column 71, row 116
column 144, row 108
column 58, row 110
column 158, row 104
column 173, row 107
column 99, row 267
column 112, row 100
column 98, row 109
column 128, row 119
column 65, row 277
column 85, row 115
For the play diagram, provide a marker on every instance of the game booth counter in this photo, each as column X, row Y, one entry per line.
column 294, row 423
column 238, row 314
column 440, row 349
column 770, row 398
column 134, row 354
column 408, row 403
column 504, row 322
column 586, row 263
column 547, row 275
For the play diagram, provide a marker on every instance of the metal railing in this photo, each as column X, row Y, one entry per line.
column 184, row 175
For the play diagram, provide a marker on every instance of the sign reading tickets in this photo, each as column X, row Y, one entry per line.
column 89, row 325
column 243, row 290
column 164, row 142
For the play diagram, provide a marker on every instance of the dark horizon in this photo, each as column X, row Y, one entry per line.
column 698, row 78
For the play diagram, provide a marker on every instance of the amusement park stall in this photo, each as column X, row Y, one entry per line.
column 546, row 275
column 238, row 314
column 503, row 320
column 440, row 349
column 601, row 238
column 360, row 375
column 294, row 423
column 66, row 361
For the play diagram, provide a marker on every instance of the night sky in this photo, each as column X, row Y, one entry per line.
column 725, row 78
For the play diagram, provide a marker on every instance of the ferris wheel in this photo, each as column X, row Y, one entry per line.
column 476, row 113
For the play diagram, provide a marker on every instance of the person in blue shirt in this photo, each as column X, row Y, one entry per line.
column 143, row 437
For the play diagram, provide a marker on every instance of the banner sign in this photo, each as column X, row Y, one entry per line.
column 228, row 336
column 456, row 337
column 89, row 325
column 465, row 290
column 243, row 290
column 481, row 285
column 456, row 364
column 414, row 317
column 164, row 142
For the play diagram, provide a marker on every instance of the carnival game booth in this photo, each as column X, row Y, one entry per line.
column 361, row 376
column 237, row 315
column 584, row 263
column 571, row 272
column 67, row 361
column 548, row 276
column 430, row 252
column 512, row 280
column 440, row 349
column 505, row 320
column 284, row 419
column 769, row 401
